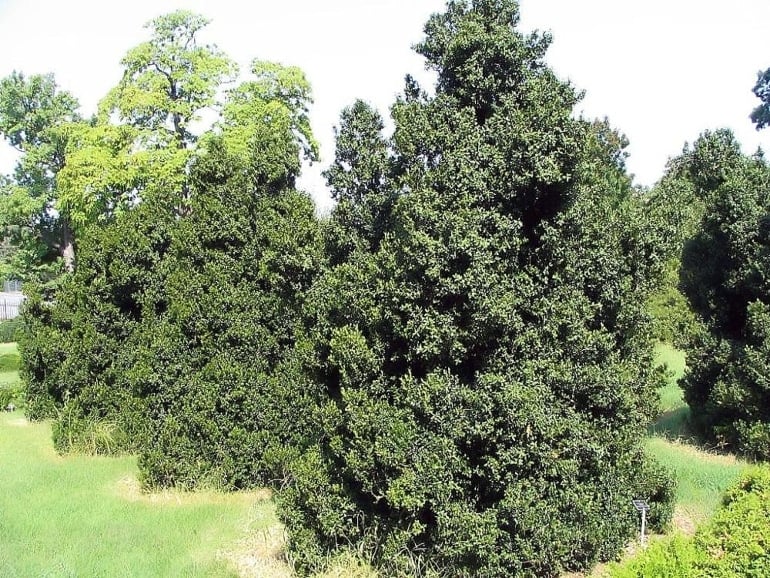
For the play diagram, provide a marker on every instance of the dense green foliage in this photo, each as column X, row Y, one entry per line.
column 482, row 342
column 451, row 375
column 724, row 274
column 677, row 210
column 171, row 335
column 732, row 545
column 218, row 367
column 78, row 351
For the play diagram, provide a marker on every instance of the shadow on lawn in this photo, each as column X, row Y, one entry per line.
column 674, row 425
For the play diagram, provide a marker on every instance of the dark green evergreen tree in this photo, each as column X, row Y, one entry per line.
column 78, row 352
column 487, row 362
column 221, row 366
column 358, row 179
column 725, row 275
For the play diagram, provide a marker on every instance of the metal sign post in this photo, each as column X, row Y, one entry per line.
column 642, row 507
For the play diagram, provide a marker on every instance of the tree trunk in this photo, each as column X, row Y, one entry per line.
column 68, row 247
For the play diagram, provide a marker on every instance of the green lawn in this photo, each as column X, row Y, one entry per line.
column 9, row 364
column 674, row 362
column 85, row 516
column 672, row 422
column 701, row 476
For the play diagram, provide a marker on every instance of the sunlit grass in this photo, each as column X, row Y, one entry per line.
column 671, row 396
column 9, row 364
column 83, row 516
column 702, row 476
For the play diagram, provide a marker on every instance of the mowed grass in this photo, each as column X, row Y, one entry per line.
column 86, row 516
column 702, row 476
column 9, row 364
column 674, row 361
column 675, row 413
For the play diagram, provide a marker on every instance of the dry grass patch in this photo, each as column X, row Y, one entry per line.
column 259, row 554
column 129, row 488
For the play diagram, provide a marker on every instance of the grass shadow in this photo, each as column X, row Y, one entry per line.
column 673, row 424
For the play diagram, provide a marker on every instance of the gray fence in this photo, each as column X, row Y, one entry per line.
column 9, row 305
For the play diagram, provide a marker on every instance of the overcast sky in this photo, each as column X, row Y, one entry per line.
column 661, row 70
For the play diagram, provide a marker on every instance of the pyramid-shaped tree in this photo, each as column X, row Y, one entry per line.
column 483, row 349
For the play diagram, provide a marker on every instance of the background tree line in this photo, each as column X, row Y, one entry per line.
column 452, row 374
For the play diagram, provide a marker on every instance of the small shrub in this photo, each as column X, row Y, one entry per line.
column 658, row 488
column 735, row 543
column 12, row 394
column 672, row 558
column 674, row 320
column 221, row 366
column 72, row 432
column 9, row 329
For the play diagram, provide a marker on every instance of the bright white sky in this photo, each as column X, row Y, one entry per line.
column 662, row 70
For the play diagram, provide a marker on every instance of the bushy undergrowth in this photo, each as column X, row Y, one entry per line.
column 12, row 394
column 734, row 544
column 78, row 348
column 674, row 320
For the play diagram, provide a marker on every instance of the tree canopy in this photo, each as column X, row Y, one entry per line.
column 133, row 177
column 724, row 275
column 38, row 120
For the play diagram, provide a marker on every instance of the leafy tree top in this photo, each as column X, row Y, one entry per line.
column 31, row 108
column 169, row 79
column 478, row 54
